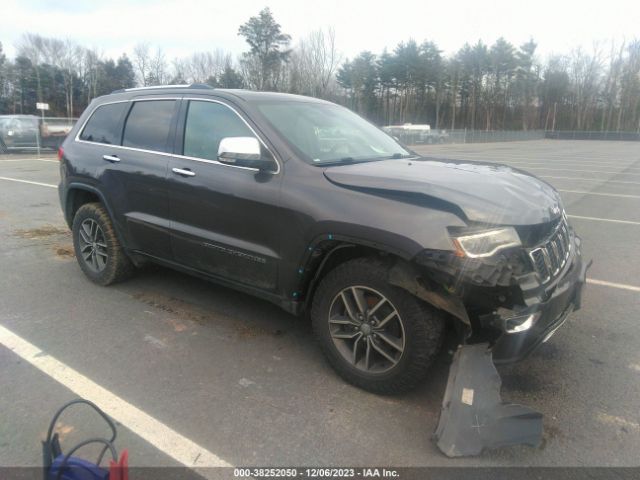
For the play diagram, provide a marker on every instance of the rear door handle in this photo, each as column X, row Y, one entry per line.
column 185, row 172
column 111, row 158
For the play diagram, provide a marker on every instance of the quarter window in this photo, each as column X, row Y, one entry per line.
column 207, row 124
column 148, row 125
column 104, row 124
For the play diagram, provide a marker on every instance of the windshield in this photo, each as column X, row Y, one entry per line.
column 328, row 134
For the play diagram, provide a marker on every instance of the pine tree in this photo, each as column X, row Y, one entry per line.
column 268, row 49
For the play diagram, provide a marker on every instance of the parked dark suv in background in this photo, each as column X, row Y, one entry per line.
column 305, row 204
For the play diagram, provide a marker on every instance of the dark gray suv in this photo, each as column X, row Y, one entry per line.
column 303, row 203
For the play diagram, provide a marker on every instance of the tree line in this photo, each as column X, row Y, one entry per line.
column 482, row 87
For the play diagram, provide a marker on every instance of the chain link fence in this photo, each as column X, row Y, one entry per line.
column 487, row 136
column 425, row 137
column 579, row 135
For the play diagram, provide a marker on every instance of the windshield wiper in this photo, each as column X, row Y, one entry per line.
column 340, row 161
column 350, row 160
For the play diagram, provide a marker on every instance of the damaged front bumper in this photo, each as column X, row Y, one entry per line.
column 473, row 416
column 507, row 305
column 528, row 328
column 503, row 300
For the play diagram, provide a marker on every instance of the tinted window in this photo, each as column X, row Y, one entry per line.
column 207, row 124
column 104, row 124
column 148, row 124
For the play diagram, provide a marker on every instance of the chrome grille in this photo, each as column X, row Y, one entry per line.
column 550, row 257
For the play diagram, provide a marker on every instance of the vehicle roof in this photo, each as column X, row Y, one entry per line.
column 248, row 96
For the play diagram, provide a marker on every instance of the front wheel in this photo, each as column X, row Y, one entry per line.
column 376, row 336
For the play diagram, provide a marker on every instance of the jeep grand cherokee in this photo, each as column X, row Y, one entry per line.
column 303, row 203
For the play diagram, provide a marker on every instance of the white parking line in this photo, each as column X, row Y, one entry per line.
column 153, row 431
column 590, row 179
column 621, row 286
column 620, row 172
column 567, row 164
column 570, row 159
column 28, row 159
column 525, row 167
column 28, row 181
column 602, row 194
column 603, row 219
column 569, row 156
column 510, row 161
column 624, row 169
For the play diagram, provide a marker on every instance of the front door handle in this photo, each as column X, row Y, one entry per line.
column 185, row 172
column 111, row 158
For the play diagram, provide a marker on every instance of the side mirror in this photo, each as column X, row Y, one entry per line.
column 244, row 151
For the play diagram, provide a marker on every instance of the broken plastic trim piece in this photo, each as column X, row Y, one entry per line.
column 473, row 416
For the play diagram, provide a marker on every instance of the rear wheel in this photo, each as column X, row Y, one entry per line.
column 376, row 336
column 97, row 249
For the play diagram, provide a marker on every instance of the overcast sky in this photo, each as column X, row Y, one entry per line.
column 181, row 27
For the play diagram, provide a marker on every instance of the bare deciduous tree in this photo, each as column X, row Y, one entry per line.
column 586, row 73
column 142, row 63
column 314, row 62
column 158, row 74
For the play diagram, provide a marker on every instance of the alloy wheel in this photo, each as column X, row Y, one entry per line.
column 93, row 246
column 366, row 329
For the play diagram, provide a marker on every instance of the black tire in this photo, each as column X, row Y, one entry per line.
column 116, row 265
column 422, row 328
column 3, row 147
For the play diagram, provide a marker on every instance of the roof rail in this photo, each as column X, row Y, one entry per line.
column 193, row 85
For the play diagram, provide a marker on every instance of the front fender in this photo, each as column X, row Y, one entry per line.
column 404, row 275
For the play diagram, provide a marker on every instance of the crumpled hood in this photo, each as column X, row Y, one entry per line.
column 488, row 193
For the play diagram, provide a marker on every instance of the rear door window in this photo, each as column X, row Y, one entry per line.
column 148, row 124
column 104, row 124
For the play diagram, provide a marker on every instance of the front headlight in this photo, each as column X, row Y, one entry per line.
column 485, row 244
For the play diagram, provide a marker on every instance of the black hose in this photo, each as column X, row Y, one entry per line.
column 108, row 443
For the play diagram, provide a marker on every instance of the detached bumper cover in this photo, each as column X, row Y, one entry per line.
column 473, row 416
column 551, row 314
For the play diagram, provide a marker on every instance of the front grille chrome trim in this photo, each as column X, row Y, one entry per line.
column 554, row 253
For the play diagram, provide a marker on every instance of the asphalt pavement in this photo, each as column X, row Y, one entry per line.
column 235, row 378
